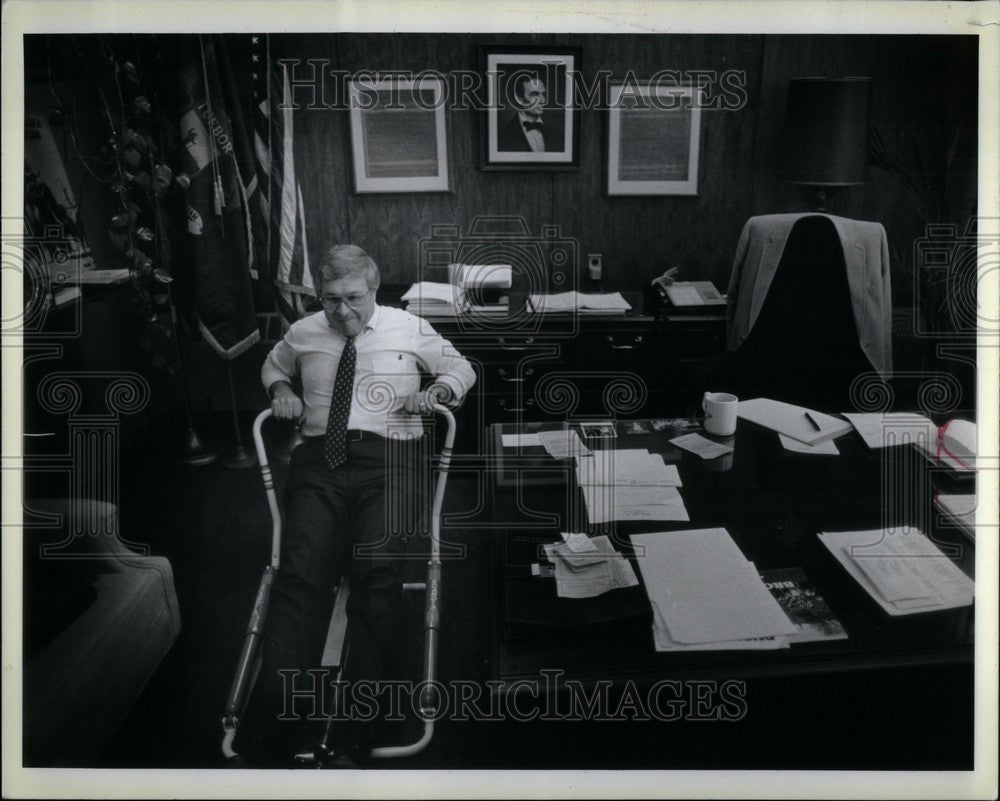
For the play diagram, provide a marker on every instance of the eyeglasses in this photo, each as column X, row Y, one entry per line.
column 351, row 301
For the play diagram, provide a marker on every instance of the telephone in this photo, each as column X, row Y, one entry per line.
column 687, row 293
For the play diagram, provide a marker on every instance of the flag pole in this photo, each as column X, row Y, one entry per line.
column 239, row 458
column 195, row 452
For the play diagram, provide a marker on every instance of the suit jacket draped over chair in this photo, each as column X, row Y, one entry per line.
column 809, row 307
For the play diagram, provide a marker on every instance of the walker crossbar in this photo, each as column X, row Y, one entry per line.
column 249, row 656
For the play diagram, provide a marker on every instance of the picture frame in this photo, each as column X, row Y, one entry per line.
column 532, row 115
column 399, row 134
column 654, row 135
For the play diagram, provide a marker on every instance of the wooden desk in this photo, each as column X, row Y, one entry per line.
column 773, row 503
column 548, row 367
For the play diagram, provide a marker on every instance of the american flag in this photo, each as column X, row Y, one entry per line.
column 278, row 214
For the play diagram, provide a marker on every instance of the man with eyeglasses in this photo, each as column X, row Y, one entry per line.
column 353, row 489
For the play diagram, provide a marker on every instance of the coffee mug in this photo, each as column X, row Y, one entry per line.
column 720, row 413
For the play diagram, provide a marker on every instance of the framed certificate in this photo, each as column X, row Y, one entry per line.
column 399, row 135
column 653, row 139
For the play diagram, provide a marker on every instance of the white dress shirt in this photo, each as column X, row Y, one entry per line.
column 391, row 351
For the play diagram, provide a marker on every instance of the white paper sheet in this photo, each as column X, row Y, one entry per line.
column 960, row 510
column 702, row 446
column 662, row 640
column 828, row 448
column 705, row 589
column 633, row 467
column 903, row 571
column 520, row 441
column 563, row 444
column 589, row 573
column 896, row 428
column 623, row 503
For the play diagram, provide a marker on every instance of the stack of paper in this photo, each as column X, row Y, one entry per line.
column 902, row 570
column 586, row 567
column 621, row 503
column 797, row 422
column 630, row 467
column 428, row 298
column 486, row 286
column 481, row 276
column 631, row 484
column 961, row 511
column 705, row 595
column 610, row 303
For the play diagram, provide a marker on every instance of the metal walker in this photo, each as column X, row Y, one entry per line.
column 249, row 659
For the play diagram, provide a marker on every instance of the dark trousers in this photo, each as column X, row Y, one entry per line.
column 347, row 519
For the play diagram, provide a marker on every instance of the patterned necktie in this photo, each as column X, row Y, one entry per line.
column 335, row 441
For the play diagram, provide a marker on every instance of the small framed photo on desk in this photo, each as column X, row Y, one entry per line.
column 598, row 430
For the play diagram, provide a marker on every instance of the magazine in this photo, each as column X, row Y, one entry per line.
column 804, row 606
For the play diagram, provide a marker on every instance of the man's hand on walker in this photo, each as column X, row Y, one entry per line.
column 424, row 401
column 287, row 406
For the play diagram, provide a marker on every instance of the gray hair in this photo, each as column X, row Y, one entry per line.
column 341, row 261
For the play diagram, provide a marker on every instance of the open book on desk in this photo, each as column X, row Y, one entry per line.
column 607, row 303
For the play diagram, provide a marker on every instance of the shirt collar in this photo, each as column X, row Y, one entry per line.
column 371, row 325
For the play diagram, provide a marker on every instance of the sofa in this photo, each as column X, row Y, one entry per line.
column 98, row 619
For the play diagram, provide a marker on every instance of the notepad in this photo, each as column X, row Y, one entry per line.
column 797, row 422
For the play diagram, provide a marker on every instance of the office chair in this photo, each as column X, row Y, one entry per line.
column 803, row 347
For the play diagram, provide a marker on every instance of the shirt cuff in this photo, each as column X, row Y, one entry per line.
column 453, row 386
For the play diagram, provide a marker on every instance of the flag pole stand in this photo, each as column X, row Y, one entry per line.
column 195, row 453
column 239, row 458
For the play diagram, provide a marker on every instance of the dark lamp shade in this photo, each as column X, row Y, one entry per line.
column 826, row 131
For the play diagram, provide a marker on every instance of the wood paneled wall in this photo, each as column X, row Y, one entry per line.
column 923, row 90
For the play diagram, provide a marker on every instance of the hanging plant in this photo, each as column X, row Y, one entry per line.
column 138, row 180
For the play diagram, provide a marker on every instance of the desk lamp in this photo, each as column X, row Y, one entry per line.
column 826, row 134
